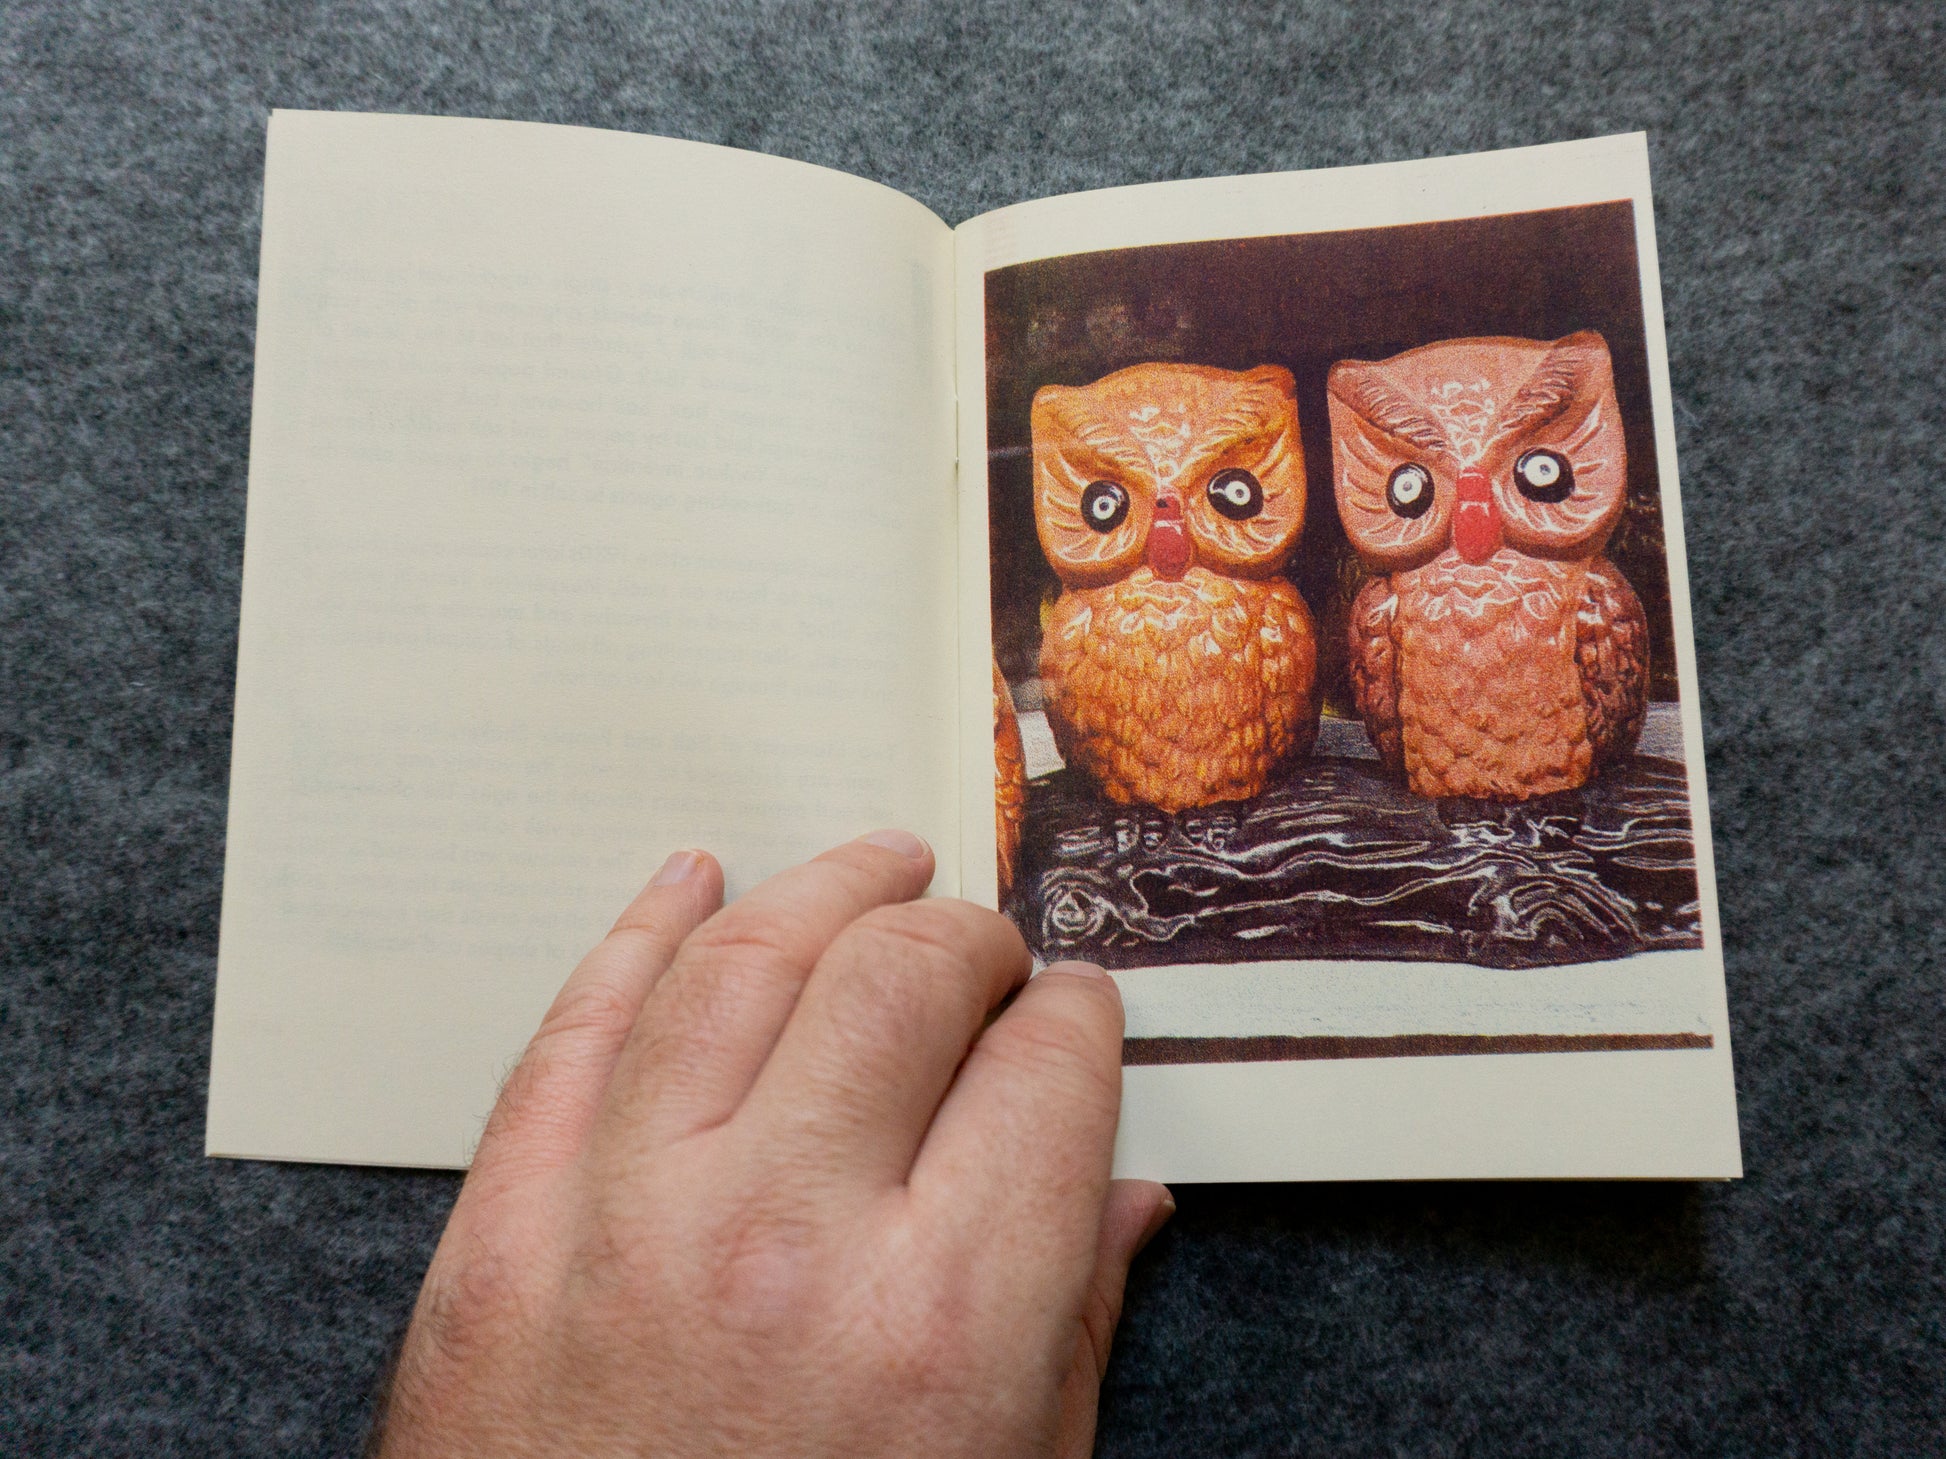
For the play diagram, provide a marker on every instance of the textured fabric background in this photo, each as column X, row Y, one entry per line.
column 155, row 1303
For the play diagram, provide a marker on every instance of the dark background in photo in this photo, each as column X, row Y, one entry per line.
column 1306, row 301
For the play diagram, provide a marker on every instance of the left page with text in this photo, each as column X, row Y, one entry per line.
column 601, row 503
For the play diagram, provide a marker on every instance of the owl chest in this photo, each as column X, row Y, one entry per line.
column 1490, row 700
column 1178, row 693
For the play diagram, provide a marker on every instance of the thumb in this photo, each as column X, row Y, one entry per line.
column 1135, row 1211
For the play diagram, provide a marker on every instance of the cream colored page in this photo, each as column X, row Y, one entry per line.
column 1663, row 1113
column 601, row 504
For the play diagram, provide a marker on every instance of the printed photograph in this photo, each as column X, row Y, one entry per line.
column 1330, row 601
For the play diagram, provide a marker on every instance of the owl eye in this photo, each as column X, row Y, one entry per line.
column 1409, row 492
column 1544, row 476
column 1236, row 494
column 1103, row 505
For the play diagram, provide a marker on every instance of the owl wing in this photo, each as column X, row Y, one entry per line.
column 1612, row 651
column 1375, row 668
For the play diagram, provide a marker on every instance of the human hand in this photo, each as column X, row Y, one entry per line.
column 769, row 1182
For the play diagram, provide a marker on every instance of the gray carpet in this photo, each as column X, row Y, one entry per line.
column 154, row 1303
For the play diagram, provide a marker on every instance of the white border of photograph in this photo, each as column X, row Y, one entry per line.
column 1669, row 1113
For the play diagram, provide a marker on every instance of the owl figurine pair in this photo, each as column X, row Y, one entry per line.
column 1494, row 651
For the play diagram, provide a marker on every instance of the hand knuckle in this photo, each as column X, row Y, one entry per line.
column 675, row 1056
column 700, row 1012
column 896, row 971
column 1047, row 1042
column 977, row 924
column 892, row 939
column 1042, row 1047
column 933, row 941
column 717, row 975
column 473, row 1296
column 756, row 1267
column 741, row 941
column 592, row 1007
column 652, row 922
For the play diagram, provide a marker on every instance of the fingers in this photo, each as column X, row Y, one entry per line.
column 711, row 1021
column 1024, row 1140
column 1135, row 1211
column 880, row 1029
column 550, row 1100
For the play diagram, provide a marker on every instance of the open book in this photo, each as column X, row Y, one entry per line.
column 1269, row 587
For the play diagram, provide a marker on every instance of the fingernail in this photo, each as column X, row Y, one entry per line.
column 678, row 867
column 1079, row 969
column 1157, row 1220
column 903, row 842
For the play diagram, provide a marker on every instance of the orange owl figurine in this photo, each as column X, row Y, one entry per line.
column 1179, row 666
column 1495, row 652
column 1009, row 781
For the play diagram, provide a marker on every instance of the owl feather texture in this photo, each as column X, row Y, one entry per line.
column 1495, row 652
column 1180, row 668
column 1009, row 782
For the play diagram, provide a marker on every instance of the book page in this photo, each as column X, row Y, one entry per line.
column 601, row 504
column 1323, row 594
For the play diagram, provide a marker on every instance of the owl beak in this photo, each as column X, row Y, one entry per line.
column 1476, row 520
column 1168, row 539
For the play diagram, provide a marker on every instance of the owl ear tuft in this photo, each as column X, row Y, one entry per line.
column 1574, row 362
column 1051, row 403
column 1344, row 378
column 1363, row 388
column 1574, row 368
column 1273, row 375
column 1582, row 339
